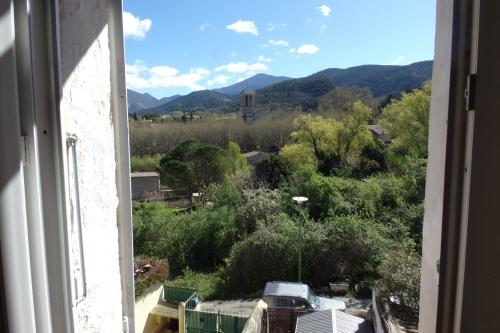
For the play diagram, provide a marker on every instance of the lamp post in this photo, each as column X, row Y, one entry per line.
column 300, row 201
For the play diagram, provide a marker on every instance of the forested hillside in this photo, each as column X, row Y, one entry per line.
column 382, row 80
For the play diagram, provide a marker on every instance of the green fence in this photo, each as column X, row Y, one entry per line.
column 177, row 295
column 208, row 322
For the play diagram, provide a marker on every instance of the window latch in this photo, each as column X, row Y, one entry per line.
column 470, row 93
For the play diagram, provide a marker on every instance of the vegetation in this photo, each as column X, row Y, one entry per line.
column 362, row 221
column 147, row 272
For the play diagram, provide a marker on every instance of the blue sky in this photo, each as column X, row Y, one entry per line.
column 178, row 46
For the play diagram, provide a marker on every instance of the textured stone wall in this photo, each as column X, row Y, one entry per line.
column 86, row 113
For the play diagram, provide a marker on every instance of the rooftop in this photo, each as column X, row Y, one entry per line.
column 332, row 321
column 247, row 90
column 144, row 174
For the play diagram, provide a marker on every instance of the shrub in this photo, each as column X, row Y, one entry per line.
column 148, row 271
column 400, row 283
column 208, row 286
column 200, row 240
column 145, row 163
column 346, row 248
column 268, row 254
column 272, row 171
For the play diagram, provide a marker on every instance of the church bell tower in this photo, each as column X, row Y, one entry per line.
column 247, row 104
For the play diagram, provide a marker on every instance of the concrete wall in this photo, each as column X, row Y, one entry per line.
column 145, row 187
column 86, row 112
column 144, row 304
column 431, row 248
column 254, row 323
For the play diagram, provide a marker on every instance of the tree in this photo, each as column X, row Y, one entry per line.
column 331, row 145
column 193, row 165
column 238, row 161
column 340, row 101
column 407, row 121
column 272, row 171
column 400, row 283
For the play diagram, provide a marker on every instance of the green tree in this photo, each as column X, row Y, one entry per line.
column 330, row 144
column 400, row 281
column 272, row 171
column 238, row 161
column 194, row 165
column 407, row 121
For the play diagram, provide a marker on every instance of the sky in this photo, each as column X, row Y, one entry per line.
column 179, row 46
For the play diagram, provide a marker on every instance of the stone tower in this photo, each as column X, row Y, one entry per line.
column 247, row 104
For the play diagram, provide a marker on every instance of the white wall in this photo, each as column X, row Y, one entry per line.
column 86, row 112
column 145, row 304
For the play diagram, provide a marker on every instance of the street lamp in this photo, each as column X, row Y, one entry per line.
column 300, row 201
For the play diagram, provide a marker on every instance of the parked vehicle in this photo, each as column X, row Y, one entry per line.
column 294, row 295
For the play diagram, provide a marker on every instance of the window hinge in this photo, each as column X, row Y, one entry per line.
column 25, row 150
column 125, row 325
column 470, row 93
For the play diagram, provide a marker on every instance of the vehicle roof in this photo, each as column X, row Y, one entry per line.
column 287, row 289
column 332, row 321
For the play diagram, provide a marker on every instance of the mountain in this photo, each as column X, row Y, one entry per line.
column 168, row 99
column 255, row 82
column 203, row 99
column 383, row 80
column 138, row 101
column 304, row 92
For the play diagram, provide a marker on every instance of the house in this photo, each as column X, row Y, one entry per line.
column 145, row 185
column 255, row 157
column 379, row 133
column 332, row 321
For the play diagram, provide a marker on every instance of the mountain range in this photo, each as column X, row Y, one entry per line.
column 382, row 80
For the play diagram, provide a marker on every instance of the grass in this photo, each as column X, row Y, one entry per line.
column 210, row 286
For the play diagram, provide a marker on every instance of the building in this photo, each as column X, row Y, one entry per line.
column 255, row 157
column 145, row 185
column 379, row 133
column 247, row 104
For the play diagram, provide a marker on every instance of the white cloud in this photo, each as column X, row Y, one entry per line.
column 398, row 61
column 244, row 27
column 325, row 10
column 283, row 43
column 205, row 26
column 134, row 27
column 323, row 27
column 264, row 59
column 242, row 67
column 271, row 26
column 140, row 76
column 221, row 79
column 307, row 49
column 292, row 50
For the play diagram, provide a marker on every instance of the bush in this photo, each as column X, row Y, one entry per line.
column 335, row 196
column 199, row 240
column 343, row 248
column 272, row 171
column 259, row 205
column 346, row 248
column 145, row 163
column 208, row 286
column 268, row 254
column 399, row 284
column 148, row 271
